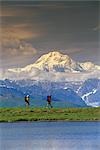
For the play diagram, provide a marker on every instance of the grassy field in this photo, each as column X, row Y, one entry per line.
column 45, row 114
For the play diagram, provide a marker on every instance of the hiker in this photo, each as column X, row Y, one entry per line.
column 27, row 100
column 49, row 101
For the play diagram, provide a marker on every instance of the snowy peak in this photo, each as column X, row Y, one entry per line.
column 58, row 62
column 87, row 65
column 53, row 57
column 54, row 61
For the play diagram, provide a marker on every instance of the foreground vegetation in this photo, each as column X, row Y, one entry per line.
column 45, row 114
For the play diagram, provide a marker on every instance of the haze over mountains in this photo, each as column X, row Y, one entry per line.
column 56, row 66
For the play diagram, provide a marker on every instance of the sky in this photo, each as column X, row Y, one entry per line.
column 29, row 29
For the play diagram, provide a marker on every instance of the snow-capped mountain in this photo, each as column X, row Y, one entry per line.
column 90, row 92
column 57, row 62
column 63, row 94
column 69, row 94
column 54, row 66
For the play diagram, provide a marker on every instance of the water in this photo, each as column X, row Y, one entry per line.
column 50, row 136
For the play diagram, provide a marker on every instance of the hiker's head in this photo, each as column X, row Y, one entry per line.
column 27, row 95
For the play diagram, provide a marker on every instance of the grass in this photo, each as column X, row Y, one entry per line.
column 45, row 114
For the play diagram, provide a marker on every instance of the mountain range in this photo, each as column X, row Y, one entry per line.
column 69, row 94
column 71, row 83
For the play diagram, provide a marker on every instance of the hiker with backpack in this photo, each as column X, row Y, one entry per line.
column 49, row 101
column 27, row 100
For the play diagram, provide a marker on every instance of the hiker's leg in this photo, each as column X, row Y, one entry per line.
column 28, row 103
column 47, row 105
column 51, row 106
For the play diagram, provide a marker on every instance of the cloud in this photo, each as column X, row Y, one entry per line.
column 14, row 49
column 18, row 47
column 18, row 32
column 63, row 77
column 36, row 74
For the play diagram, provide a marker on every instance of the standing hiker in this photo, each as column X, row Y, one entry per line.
column 27, row 100
column 49, row 101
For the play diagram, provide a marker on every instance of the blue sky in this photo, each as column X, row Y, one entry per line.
column 31, row 28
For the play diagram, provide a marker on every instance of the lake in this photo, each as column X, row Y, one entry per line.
column 50, row 136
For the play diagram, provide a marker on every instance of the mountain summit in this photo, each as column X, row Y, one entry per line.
column 55, row 61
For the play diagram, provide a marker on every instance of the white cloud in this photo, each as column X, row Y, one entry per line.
column 36, row 74
column 15, row 51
